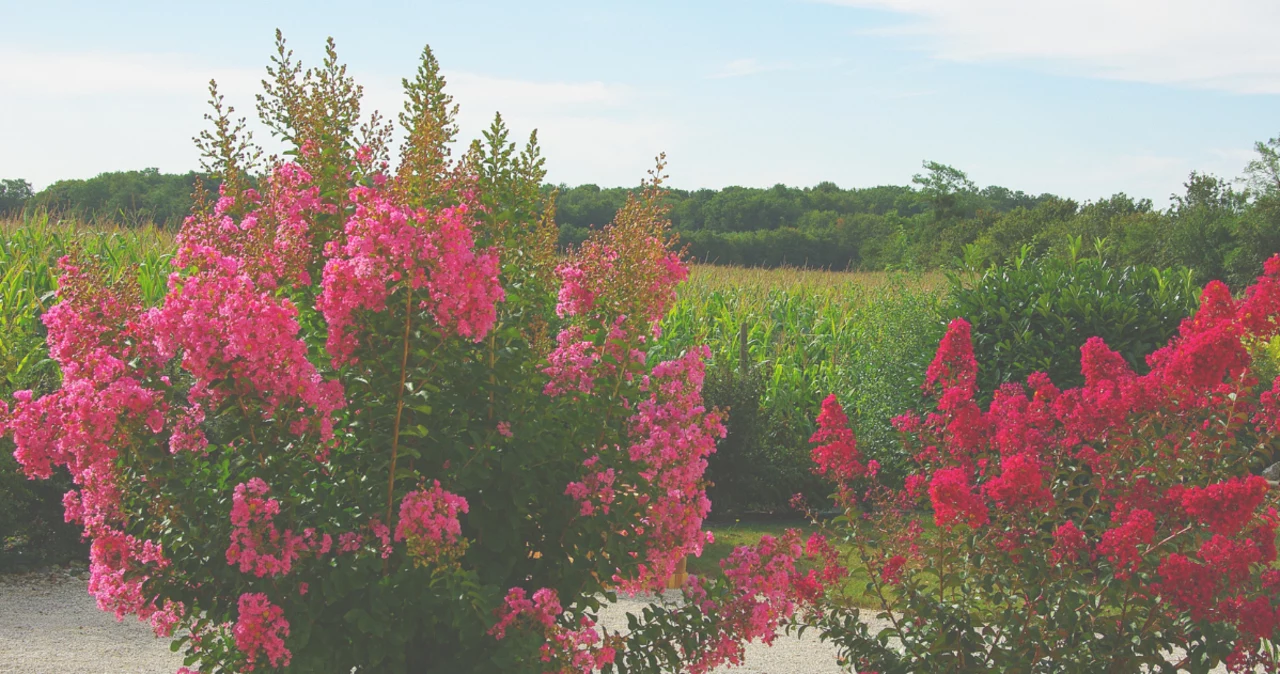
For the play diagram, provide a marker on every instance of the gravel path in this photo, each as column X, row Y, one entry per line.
column 50, row 625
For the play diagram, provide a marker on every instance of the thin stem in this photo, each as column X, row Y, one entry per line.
column 395, row 432
column 493, row 379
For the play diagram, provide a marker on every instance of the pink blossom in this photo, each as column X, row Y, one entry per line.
column 429, row 522
column 261, row 629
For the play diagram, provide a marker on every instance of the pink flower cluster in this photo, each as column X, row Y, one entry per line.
column 574, row 364
column 118, row 566
column 257, row 546
column 764, row 588
column 431, row 254
column 579, row 650
column 595, row 491
column 622, row 281
column 273, row 238
column 609, row 278
column 429, row 522
column 94, row 333
column 238, row 340
column 261, row 629
column 671, row 434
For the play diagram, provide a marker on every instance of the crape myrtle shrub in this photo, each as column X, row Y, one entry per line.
column 375, row 423
column 1085, row 529
column 32, row 530
column 1029, row 315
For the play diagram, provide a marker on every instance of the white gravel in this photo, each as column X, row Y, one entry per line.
column 50, row 625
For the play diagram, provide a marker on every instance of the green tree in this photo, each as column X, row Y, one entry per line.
column 1202, row 225
column 14, row 193
column 943, row 188
column 1263, row 172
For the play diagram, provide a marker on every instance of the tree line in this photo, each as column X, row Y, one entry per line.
column 127, row 198
column 1221, row 228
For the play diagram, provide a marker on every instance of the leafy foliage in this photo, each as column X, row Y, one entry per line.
column 1216, row 229
column 779, row 339
column 131, row 198
column 1031, row 316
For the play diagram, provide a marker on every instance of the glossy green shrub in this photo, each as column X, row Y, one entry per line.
column 1033, row 316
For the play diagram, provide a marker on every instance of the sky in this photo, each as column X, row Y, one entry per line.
column 1083, row 99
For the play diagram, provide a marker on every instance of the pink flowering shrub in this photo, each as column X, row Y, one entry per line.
column 376, row 423
column 1082, row 530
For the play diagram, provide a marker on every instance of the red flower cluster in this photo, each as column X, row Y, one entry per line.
column 837, row 452
column 1068, row 543
column 1139, row 476
column 1120, row 544
column 1225, row 507
column 954, row 499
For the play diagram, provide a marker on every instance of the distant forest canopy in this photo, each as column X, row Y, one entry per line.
column 1220, row 228
column 120, row 197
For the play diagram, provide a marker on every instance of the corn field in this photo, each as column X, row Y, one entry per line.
column 867, row 337
column 29, row 254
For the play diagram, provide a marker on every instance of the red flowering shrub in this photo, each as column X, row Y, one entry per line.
column 1089, row 529
column 375, row 414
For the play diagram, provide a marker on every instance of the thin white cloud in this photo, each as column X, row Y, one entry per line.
column 90, row 73
column 746, row 67
column 478, row 89
column 128, row 110
column 93, row 73
column 1225, row 45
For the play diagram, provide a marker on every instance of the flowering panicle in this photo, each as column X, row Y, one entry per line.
column 671, row 434
column 260, row 630
column 388, row 245
column 764, row 588
column 429, row 523
column 566, row 650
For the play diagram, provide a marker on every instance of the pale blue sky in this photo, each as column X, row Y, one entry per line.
column 1083, row 98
